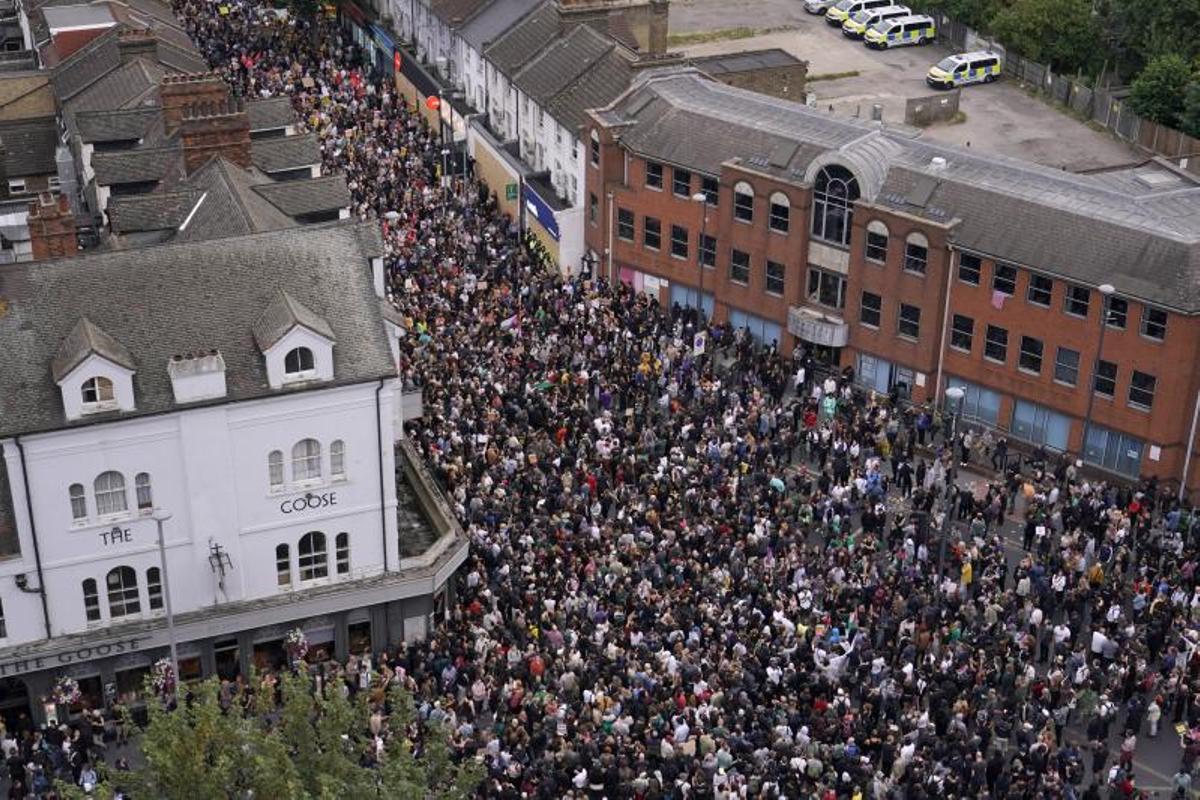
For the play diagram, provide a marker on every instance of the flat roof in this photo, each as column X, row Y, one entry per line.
column 747, row 61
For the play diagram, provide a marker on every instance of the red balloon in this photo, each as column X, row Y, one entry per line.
column 433, row 103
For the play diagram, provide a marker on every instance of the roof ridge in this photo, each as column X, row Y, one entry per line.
column 571, row 84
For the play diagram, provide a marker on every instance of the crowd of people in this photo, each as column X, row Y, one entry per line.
column 718, row 572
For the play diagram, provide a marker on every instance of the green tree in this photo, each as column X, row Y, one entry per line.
column 974, row 13
column 311, row 748
column 1189, row 119
column 1158, row 91
column 1149, row 28
column 1060, row 33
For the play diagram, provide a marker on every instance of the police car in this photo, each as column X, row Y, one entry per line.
column 963, row 69
column 901, row 31
column 857, row 25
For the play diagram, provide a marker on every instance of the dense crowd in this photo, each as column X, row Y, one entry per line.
column 719, row 572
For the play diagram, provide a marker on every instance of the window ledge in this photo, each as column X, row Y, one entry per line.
column 963, row 350
column 736, row 282
column 1036, row 304
column 750, row 221
column 1139, row 407
column 1154, row 339
column 877, row 262
column 996, row 361
column 678, row 257
column 1074, row 314
column 778, row 231
column 654, row 188
column 868, row 325
column 907, row 338
column 772, row 294
column 1029, row 372
column 1064, row 384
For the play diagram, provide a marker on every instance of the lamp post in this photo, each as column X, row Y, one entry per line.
column 702, row 199
column 1106, row 291
column 161, row 515
column 445, row 166
column 956, row 395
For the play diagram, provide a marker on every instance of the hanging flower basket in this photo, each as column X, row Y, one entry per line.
column 66, row 691
column 163, row 678
column 296, row 644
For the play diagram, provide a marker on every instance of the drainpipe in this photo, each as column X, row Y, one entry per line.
column 37, row 553
column 382, row 494
column 609, row 196
column 937, row 386
column 1187, row 459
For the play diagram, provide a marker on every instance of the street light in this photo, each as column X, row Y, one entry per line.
column 956, row 394
column 1106, row 291
column 161, row 515
column 445, row 167
column 702, row 199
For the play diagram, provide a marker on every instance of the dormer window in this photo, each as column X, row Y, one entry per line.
column 298, row 364
column 97, row 392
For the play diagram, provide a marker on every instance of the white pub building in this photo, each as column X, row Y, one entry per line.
column 239, row 398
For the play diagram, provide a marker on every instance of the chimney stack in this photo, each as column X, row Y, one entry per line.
column 136, row 42
column 220, row 128
column 52, row 227
column 660, row 12
column 177, row 92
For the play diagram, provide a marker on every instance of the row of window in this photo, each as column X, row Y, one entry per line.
column 908, row 317
column 916, row 248
column 1031, row 355
column 307, row 463
column 121, row 589
column 1076, row 299
column 108, row 491
column 312, row 558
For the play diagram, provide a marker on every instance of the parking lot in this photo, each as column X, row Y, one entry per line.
column 1000, row 117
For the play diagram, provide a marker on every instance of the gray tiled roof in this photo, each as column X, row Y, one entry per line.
column 596, row 87
column 524, row 40
column 561, row 62
column 84, row 340
column 1092, row 228
column 203, row 295
column 285, row 152
column 158, row 211
column 127, row 86
column 457, row 12
column 731, row 63
column 29, row 147
column 230, row 206
column 284, row 313
column 490, row 23
column 115, row 126
column 270, row 113
column 134, row 166
column 297, row 198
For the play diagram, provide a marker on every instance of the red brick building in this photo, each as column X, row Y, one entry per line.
column 918, row 265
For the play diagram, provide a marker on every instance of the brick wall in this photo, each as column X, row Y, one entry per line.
column 215, row 129
column 785, row 82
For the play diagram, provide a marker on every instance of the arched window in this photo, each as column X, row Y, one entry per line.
column 916, row 252
column 337, row 459
column 78, row 501
column 122, row 592
column 743, row 202
column 141, row 484
column 283, row 565
column 313, row 557
column 97, row 390
column 154, row 588
column 834, row 193
column 275, row 468
column 91, row 600
column 306, row 460
column 877, row 241
column 110, row 493
column 781, row 212
column 298, row 362
column 342, row 553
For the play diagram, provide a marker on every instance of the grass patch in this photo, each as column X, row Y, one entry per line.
column 704, row 37
column 832, row 76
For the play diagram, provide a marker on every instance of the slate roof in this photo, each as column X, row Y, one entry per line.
column 29, row 147
column 490, row 23
column 142, row 165
column 230, row 206
column 115, row 126
column 598, row 86
column 270, row 114
column 284, row 313
column 297, row 198
column 285, row 152
column 748, row 61
column 85, row 340
column 207, row 295
column 561, row 62
column 523, row 41
column 1090, row 228
column 158, row 211
column 456, row 12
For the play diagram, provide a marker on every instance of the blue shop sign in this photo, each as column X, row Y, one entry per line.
column 541, row 209
column 383, row 39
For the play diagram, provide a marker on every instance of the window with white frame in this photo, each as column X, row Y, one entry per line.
column 337, row 459
column 123, row 600
column 743, row 202
column 91, row 600
column 275, row 469
column 313, row 557
column 78, row 501
column 299, row 363
column 306, row 460
column 96, row 392
column 916, row 253
column 110, row 493
column 141, row 484
column 877, row 241
column 154, row 588
column 781, row 212
column 342, row 548
column 283, row 565
column 834, row 192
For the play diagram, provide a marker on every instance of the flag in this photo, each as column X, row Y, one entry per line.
column 998, row 298
column 699, row 343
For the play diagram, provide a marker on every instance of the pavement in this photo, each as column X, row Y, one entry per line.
column 1000, row 118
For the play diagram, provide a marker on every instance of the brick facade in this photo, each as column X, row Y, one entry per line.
column 52, row 228
column 179, row 92
column 215, row 129
column 1047, row 405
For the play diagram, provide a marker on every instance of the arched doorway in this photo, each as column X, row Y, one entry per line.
column 14, row 704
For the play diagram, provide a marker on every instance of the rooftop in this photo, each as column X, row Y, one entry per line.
column 206, row 294
column 29, row 146
column 283, row 153
column 747, row 61
column 1141, row 232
